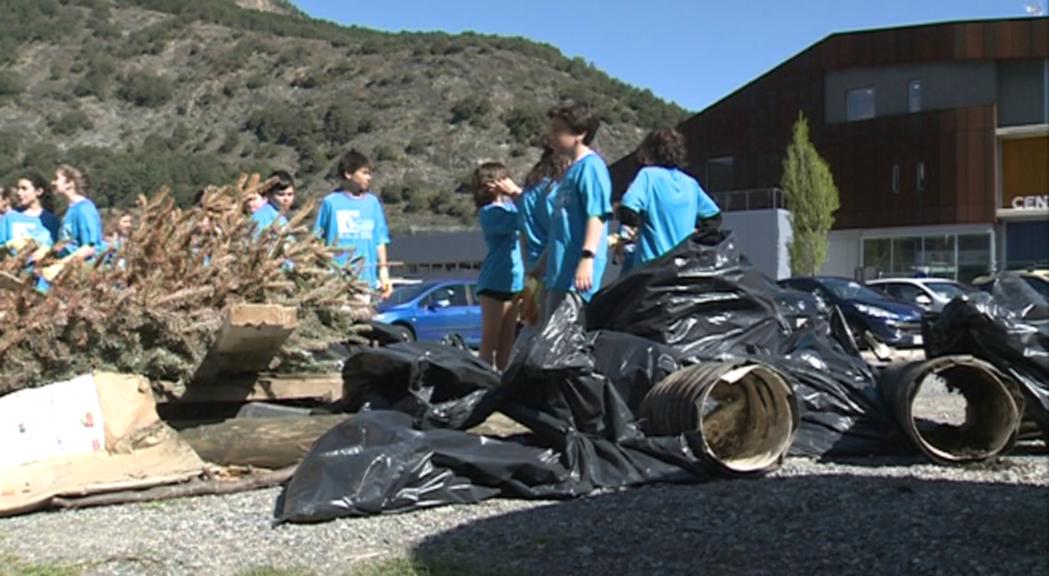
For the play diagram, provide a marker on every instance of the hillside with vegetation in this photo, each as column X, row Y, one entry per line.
column 147, row 93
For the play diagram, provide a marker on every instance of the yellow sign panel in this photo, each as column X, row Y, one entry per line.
column 1025, row 173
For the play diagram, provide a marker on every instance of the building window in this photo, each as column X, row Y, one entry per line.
column 914, row 96
column 895, row 178
column 859, row 104
column 720, row 174
column 919, row 177
column 961, row 257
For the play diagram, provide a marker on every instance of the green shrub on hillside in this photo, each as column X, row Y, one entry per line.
column 473, row 109
column 145, row 89
column 71, row 122
column 525, row 123
column 10, row 84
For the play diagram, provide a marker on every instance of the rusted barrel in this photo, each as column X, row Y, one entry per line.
column 956, row 409
column 740, row 416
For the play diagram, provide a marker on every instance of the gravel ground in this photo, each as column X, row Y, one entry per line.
column 854, row 517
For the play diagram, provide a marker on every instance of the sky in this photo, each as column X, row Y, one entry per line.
column 693, row 52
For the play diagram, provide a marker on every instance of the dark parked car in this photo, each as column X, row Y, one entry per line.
column 433, row 311
column 891, row 321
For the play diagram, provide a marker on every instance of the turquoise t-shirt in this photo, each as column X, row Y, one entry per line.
column 81, row 226
column 265, row 216
column 503, row 269
column 668, row 202
column 358, row 224
column 585, row 192
column 42, row 229
column 534, row 208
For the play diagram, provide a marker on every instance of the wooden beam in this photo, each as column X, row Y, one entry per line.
column 259, row 442
column 261, row 388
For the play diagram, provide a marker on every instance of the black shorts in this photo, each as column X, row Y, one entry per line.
column 497, row 295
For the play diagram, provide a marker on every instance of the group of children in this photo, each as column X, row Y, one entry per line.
column 555, row 229
column 28, row 215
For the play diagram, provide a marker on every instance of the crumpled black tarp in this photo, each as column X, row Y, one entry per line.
column 584, row 436
column 1007, row 328
column 438, row 385
column 705, row 300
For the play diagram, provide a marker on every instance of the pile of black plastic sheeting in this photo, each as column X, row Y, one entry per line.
column 576, row 392
column 706, row 301
column 1008, row 328
column 581, row 394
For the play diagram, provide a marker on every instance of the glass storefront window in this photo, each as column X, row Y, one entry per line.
column 962, row 257
column 906, row 255
column 877, row 255
column 938, row 256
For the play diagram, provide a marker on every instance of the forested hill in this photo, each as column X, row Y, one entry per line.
column 146, row 93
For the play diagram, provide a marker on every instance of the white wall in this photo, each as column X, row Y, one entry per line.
column 762, row 236
column 843, row 254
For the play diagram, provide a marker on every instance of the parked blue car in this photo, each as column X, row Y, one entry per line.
column 431, row 311
column 892, row 321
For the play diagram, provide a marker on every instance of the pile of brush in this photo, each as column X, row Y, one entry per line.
column 153, row 306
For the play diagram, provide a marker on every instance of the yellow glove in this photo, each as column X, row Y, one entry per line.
column 17, row 244
column 50, row 272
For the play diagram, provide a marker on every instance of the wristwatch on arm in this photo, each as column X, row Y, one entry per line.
column 588, row 254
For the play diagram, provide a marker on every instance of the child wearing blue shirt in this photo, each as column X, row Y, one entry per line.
column 502, row 274
column 81, row 228
column 665, row 204
column 353, row 219
column 536, row 204
column 578, row 248
column 279, row 198
column 32, row 219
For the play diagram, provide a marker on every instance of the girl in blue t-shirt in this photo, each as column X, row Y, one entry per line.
column 81, row 229
column 32, row 219
column 664, row 204
column 502, row 274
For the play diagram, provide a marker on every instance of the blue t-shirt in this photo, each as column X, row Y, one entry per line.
column 503, row 270
column 668, row 201
column 42, row 229
column 265, row 216
column 535, row 206
column 358, row 224
column 585, row 192
column 81, row 226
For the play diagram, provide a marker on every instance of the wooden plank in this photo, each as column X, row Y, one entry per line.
column 320, row 387
column 251, row 335
column 259, row 442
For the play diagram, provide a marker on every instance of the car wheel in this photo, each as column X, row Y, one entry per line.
column 409, row 334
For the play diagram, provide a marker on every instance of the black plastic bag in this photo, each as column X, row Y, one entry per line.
column 703, row 298
column 441, row 386
column 1004, row 330
column 584, row 436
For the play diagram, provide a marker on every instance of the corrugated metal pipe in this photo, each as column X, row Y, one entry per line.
column 956, row 409
column 740, row 416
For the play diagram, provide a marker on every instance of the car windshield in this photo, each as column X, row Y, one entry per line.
column 1042, row 286
column 947, row 290
column 850, row 290
column 406, row 294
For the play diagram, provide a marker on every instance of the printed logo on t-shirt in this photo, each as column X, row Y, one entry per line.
column 352, row 227
column 21, row 230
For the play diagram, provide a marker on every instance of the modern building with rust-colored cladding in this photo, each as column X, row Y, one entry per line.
column 937, row 135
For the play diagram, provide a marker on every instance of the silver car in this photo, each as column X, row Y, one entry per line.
column 930, row 294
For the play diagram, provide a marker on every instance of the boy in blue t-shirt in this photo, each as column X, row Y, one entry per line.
column 279, row 198
column 665, row 204
column 353, row 219
column 578, row 244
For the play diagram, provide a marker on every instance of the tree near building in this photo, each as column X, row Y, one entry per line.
column 812, row 199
